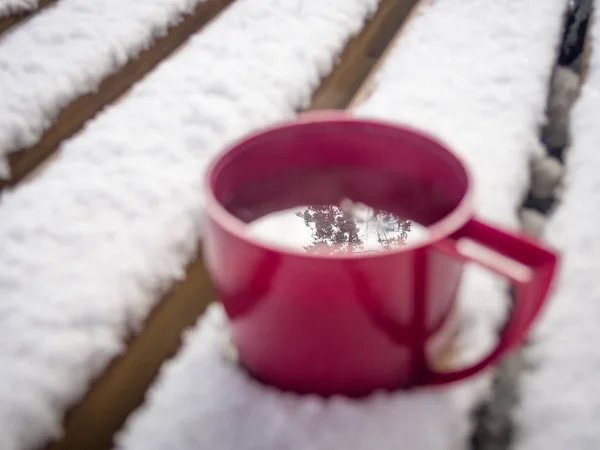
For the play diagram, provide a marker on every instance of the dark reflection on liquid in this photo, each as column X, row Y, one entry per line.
column 346, row 228
column 334, row 229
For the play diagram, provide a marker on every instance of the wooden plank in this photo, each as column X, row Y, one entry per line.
column 74, row 116
column 367, row 86
column 92, row 423
column 8, row 22
column 587, row 48
column 361, row 55
column 358, row 59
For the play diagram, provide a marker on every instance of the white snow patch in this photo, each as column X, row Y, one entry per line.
column 561, row 401
column 10, row 7
column 65, row 51
column 472, row 74
column 204, row 401
column 92, row 243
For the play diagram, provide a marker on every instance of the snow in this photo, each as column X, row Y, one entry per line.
column 470, row 73
column 91, row 243
column 228, row 410
column 9, row 7
column 65, row 51
column 560, row 405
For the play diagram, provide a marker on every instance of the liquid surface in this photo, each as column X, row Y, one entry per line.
column 334, row 229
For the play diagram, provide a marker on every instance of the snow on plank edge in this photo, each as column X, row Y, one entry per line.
column 10, row 7
column 420, row 84
column 64, row 52
column 560, row 404
column 91, row 244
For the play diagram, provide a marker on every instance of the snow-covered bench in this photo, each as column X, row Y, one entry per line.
column 13, row 12
column 475, row 75
column 63, row 64
column 95, row 280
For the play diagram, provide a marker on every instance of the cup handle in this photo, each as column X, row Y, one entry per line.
column 528, row 265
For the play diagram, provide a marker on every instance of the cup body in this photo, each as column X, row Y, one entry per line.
column 345, row 323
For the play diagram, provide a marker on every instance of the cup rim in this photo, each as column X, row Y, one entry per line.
column 437, row 231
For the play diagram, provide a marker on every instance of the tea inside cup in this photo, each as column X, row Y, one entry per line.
column 345, row 228
column 341, row 209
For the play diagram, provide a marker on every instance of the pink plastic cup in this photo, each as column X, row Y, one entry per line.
column 353, row 323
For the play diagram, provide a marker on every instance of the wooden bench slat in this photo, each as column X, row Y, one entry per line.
column 91, row 424
column 74, row 116
column 11, row 20
column 360, row 55
column 368, row 85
